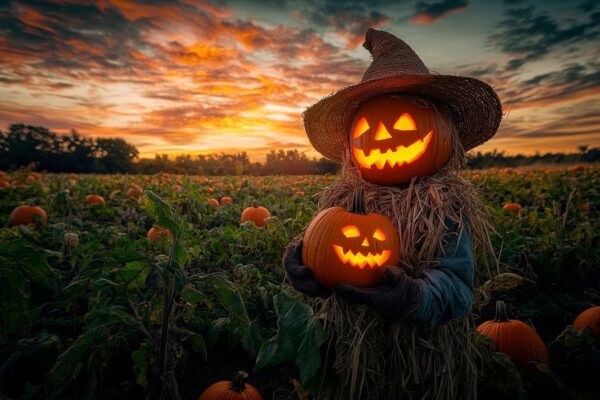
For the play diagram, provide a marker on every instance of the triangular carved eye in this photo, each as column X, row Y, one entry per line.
column 405, row 123
column 382, row 132
column 361, row 127
column 350, row 231
column 379, row 235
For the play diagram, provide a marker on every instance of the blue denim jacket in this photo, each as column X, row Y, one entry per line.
column 447, row 289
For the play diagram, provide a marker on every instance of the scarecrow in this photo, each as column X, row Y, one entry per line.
column 396, row 303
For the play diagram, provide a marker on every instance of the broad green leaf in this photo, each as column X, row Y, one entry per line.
column 162, row 212
column 308, row 358
column 142, row 361
column 133, row 274
column 292, row 321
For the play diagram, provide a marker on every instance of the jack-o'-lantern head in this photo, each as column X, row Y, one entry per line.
column 350, row 246
column 393, row 140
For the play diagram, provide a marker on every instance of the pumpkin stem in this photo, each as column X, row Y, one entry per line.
column 254, row 203
column 358, row 202
column 238, row 383
column 501, row 313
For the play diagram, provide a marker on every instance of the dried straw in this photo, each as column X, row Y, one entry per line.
column 404, row 360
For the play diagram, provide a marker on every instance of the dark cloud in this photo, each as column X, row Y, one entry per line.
column 348, row 18
column 529, row 34
column 430, row 12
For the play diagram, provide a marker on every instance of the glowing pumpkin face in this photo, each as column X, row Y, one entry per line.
column 350, row 246
column 393, row 140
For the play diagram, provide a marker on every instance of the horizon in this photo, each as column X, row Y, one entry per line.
column 199, row 77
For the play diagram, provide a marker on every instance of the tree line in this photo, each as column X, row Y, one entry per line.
column 39, row 149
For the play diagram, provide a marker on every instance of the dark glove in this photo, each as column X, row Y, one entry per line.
column 396, row 298
column 300, row 276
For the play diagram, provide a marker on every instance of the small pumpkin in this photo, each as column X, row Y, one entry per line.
column 94, row 199
column 156, row 234
column 4, row 184
column 589, row 318
column 209, row 190
column 135, row 192
column 177, row 188
column 226, row 200
column 26, row 215
column 393, row 140
column 235, row 389
column 514, row 338
column 514, row 208
column 350, row 246
column 213, row 202
column 256, row 214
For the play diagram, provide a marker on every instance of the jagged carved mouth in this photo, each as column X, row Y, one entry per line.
column 361, row 260
column 402, row 155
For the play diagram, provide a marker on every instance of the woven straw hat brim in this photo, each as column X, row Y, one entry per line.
column 475, row 108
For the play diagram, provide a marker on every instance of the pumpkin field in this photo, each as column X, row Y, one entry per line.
column 158, row 286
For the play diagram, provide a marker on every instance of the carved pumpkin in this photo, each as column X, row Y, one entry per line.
column 236, row 389
column 94, row 199
column 589, row 318
column 256, row 214
column 514, row 338
column 350, row 246
column 393, row 140
column 26, row 215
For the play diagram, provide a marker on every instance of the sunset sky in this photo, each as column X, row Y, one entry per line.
column 194, row 76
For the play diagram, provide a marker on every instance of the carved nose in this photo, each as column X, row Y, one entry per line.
column 382, row 133
column 365, row 242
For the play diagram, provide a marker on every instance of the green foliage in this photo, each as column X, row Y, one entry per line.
column 115, row 316
column 299, row 338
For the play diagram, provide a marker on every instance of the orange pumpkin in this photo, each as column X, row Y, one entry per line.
column 589, row 318
column 94, row 199
column 156, row 234
column 226, row 200
column 350, row 246
column 4, row 183
column 514, row 338
column 514, row 208
column 213, row 202
column 236, row 389
column 209, row 190
column 135, row 192
column 26, row 215
column 393, row 140
column 255, row 214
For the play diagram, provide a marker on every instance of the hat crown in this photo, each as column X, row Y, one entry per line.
column 391, row 57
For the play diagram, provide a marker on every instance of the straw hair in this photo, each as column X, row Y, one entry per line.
column 474, row 106
column 374, row 360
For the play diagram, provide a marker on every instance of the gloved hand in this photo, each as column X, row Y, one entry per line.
column 300, row 276
column 396, row 298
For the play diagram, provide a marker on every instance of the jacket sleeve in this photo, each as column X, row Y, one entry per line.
column 447, row 289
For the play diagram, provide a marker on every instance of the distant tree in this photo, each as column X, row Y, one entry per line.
column 114, row 155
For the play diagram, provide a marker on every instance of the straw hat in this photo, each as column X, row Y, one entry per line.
column 396, row 68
